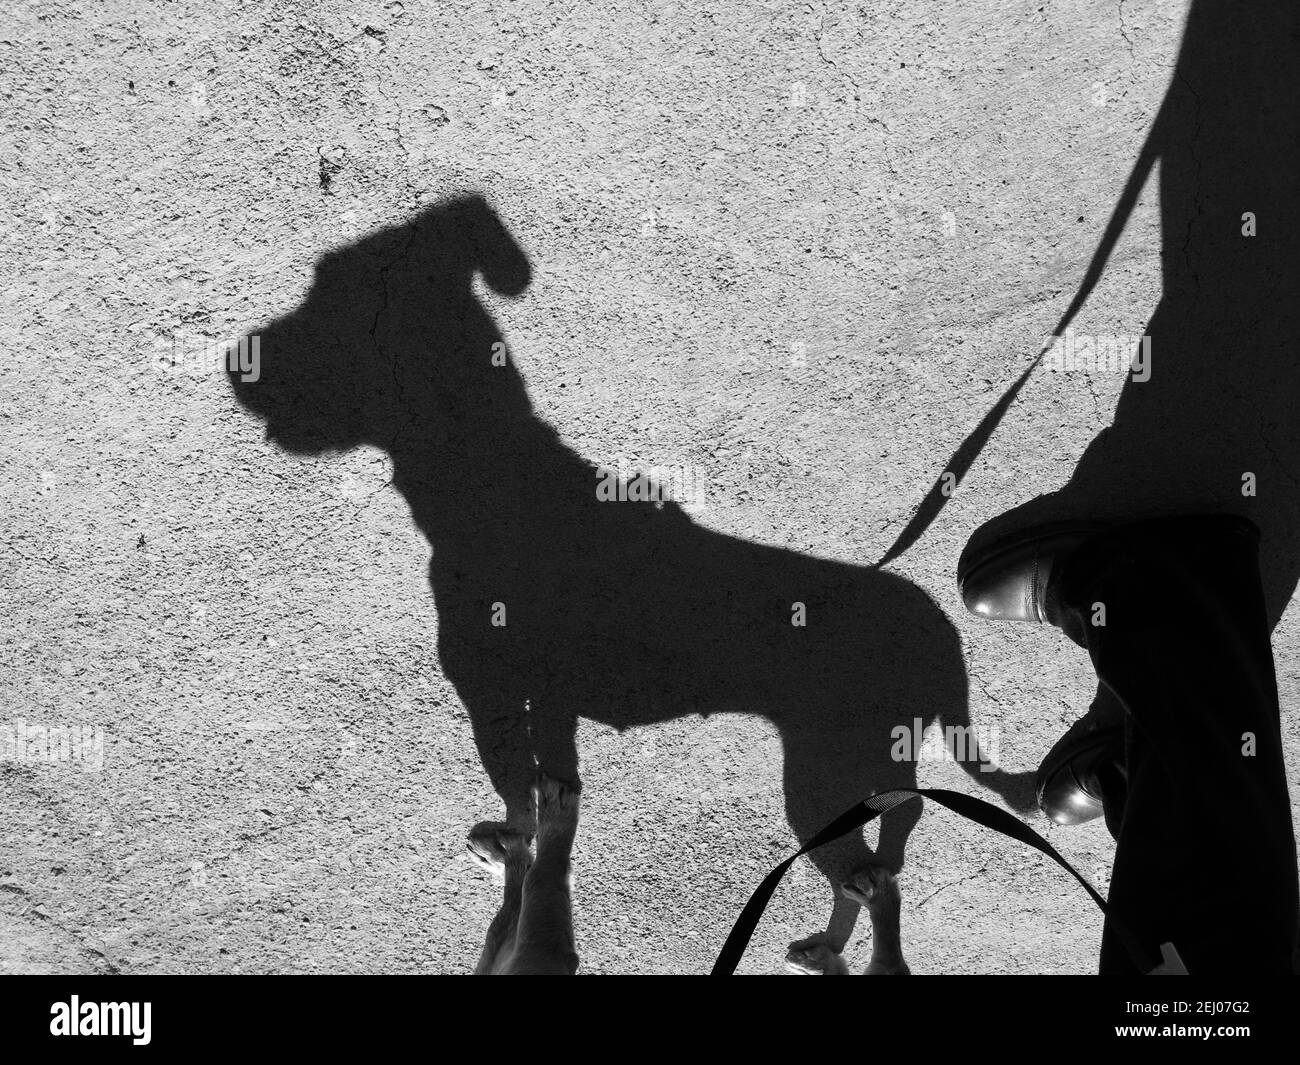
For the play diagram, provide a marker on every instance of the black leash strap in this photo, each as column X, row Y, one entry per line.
column 973, row 809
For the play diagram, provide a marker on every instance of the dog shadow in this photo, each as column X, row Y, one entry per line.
column 556, row 605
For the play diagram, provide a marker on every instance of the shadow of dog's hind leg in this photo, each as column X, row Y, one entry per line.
column 874, row 887
column 824, row 777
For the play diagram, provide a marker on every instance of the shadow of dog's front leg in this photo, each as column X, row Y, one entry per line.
column 544, row 945
column 811, row 957
column 505, row 749
column 504, row 851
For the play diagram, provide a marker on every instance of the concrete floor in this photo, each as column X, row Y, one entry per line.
column 802, row 248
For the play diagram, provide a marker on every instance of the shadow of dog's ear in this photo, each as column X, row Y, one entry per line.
column 496, row 253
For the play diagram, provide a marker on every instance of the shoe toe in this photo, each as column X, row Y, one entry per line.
column 1063, row 799
column 1009, row 581
column 1004, row 591
column 1069, row 785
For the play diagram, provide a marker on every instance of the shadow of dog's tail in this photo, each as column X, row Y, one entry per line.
column 975, row 750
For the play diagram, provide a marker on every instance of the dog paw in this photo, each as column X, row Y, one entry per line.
column 811, row 958
column 872, row 886
column 491, row 844
column 556, row 802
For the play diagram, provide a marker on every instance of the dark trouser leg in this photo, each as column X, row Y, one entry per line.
column 1205, row 854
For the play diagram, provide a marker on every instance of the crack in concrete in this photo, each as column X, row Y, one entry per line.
column 1277, row 461
column 1096, row 399
column 397, row 119
column 396, row 109
column 1122, row 31
column 821, row 51
column 871, row 120
column 945, row 887
column 984, row 688
column 357, row 508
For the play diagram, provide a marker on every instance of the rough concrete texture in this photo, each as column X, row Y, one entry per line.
column 903, row 193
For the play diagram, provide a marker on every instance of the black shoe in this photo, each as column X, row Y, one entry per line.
column 1085, row 766
column 1009, row 580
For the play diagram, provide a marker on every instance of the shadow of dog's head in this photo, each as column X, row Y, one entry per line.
column 389, row 333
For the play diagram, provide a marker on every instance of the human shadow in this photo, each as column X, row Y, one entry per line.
column 555, row 604
column 1212, row 429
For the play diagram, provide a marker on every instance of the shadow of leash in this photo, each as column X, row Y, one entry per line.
column 965, row 455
